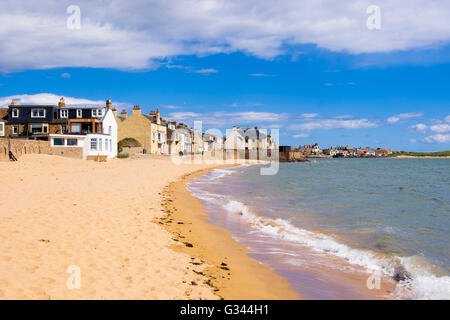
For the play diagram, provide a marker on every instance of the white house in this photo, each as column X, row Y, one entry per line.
column 93, row 143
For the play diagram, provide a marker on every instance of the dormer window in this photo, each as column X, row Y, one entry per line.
column 79, row 113
column 97, row 112
column 38, row 113
column 64, row 113
column 15, row 113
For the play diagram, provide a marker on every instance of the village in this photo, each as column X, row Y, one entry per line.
column 101, row 133
column 314, row 150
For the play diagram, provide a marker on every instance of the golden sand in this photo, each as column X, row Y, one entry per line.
column 58, row 214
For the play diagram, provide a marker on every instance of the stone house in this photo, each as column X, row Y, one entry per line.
column 149, row 130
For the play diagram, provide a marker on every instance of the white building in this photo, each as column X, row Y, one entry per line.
column 99, row 144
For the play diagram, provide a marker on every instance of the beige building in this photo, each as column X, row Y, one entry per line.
column 150, row 130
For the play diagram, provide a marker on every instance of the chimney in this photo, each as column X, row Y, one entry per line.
column 158, row 117
column 136, row 109
column 15, row 102
column 114, row 111
column 62, row 103
column 108, row 103
column 123, row 114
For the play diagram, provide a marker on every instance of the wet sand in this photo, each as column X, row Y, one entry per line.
column 231, row 273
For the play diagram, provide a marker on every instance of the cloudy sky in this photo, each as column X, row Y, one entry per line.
column 313, row 69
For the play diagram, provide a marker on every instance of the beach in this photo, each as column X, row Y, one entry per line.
column 104, row 219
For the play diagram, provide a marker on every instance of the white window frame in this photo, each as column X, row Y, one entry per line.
column 100, row 144
column 64, row 113
column 75, row 145
column 93, row 144
column 2, row 129
column 15, row 113
column 15, row 130
column 97, row 113
column 38, row 116
column 59, row 145
column 79, row 113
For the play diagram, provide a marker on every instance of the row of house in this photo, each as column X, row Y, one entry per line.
column 344, row 151
column 94, row 131
column 160, row 136
column 83, row 131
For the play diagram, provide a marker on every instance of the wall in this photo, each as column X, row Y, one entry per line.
column 110, row 121
column 70, row 152
column 20, row 147
column 136, row 126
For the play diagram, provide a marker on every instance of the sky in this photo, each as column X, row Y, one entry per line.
column 327, row 72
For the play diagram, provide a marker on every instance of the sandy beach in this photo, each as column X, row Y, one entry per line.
column 107, row 219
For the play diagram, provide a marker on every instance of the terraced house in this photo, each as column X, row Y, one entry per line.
column 80, row 132
column 150, row 130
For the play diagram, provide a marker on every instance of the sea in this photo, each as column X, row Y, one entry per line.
column 317, row 223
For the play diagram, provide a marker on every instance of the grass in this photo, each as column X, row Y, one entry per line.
column 422, row 154
column 123, row 155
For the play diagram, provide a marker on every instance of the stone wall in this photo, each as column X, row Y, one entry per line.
column 132, row 150
column 69, row 152
column 20, row 147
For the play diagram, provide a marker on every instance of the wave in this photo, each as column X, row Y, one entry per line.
column 417, row 278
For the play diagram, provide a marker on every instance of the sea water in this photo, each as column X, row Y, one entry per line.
column 386, row 215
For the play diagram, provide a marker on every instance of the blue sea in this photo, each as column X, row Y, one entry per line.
column 390, row 216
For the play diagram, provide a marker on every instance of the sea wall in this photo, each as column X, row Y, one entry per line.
column 292, row 156
column 20, row 147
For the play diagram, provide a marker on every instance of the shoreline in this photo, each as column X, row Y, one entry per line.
column 231, row 273
column 307, row 282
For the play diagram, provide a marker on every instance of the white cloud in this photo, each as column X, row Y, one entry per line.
column 441, row 128
column 261, row 75
column 65, row 75
column 53, row 99
column 328, row 124
column 403, row 116
column 309, row 115
column 301, row 135
column 447, row 119
column 439, row 138
column 221, row 118
column 137, row 34
column 205, row 71
column 420, row 127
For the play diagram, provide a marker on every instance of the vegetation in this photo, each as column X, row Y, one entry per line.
column 128, row 142
column 123, row 155
column 422, row 154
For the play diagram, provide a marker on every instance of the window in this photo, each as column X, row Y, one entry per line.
column 58, row 141
column 15, row 130
column 109, row 130
column 97, row 112
column 15, row 113
column 75, row 127
column 79, row 113
column 64, row 129
column 100, row 144
column 45, row 128
column 110, row 145
column 106, row 144
column 64, row 113
column 38, row 113
column 71, row 142
column 2, row 129
column 93, row 144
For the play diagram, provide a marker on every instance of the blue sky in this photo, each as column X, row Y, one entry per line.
column 335, row 86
